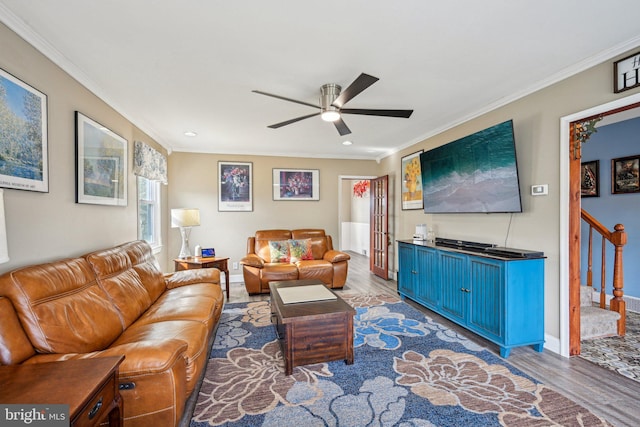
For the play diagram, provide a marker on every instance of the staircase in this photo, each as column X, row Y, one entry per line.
column 595, row 322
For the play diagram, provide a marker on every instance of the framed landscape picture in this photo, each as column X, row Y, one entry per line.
column 590, row 179
column 296, row 184
column 235, row 186
column 23, row 129
column 625, row 175
column 411, row 182
column 101, row 164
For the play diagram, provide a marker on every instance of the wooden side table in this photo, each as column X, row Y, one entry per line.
column 88, row 386
column 205, row 262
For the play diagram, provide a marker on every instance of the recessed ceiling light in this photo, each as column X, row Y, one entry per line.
column 347, row 142
column 190, row 133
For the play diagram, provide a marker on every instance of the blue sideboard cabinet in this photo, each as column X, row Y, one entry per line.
column 500, row 299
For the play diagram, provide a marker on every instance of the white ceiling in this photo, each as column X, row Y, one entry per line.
column 174, row 66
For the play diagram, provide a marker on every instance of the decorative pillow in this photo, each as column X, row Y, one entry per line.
column 279, row 251
column 300, row 250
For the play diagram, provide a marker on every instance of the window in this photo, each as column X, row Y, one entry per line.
column 149, row 212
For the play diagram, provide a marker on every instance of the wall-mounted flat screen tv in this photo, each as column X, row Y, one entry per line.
column 474, row 174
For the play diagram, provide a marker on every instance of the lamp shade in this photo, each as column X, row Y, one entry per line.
column 185, row 217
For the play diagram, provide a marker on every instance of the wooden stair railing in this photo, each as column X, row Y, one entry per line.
column 618, row 238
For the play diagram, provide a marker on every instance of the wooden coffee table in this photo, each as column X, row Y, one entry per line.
column 312, row 332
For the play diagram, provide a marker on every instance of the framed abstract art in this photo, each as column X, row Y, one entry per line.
column 235, row 186
column 296, row 184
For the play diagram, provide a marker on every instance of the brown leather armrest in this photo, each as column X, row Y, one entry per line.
column 145, row 356
column 188, row 277
column 252, row 260
column 336, row 256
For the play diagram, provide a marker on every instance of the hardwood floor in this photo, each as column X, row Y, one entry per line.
column 609, row 395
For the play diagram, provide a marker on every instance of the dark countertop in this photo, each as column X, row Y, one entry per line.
column 479, row 252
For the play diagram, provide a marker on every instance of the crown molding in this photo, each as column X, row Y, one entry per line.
column 27, row 33
column 592, row 61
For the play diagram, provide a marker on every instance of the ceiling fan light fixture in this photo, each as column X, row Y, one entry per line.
column 332, row 101
column 330, row 115
column 328, row 94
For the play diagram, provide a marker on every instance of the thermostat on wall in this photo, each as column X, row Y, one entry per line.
column 540, row 190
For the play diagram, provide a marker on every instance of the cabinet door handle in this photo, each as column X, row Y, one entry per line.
column 414, row 272
column 95, row 409
column 465, row 290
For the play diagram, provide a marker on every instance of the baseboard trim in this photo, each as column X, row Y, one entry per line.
column 552, row 343
column 236, row 278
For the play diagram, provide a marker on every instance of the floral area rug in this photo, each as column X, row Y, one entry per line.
column 408, row 371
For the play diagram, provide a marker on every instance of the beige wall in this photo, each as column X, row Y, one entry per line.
column 193, row 182
column 48, row 226
column 537, row 131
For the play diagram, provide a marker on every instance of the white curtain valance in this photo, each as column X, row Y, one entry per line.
column 149, row 162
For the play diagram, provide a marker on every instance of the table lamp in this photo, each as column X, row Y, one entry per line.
column 185, row 219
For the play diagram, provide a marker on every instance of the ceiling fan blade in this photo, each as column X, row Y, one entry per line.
column 342, row 127
column 361, row 83
column 385, row 113
column 286, row 99
column 288, row 122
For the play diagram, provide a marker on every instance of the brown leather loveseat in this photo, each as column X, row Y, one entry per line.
column 264, row 263
column 116, row 302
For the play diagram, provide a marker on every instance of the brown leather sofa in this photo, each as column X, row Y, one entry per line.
column 328, row 265
column 116, row 302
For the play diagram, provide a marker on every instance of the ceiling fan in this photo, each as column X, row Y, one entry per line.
column 332, row 100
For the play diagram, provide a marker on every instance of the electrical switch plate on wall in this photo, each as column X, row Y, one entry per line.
column 540, row 190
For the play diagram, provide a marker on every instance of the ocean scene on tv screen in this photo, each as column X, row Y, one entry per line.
column 477, row 173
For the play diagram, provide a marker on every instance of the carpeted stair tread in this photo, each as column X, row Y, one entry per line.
column 596, row 322
column 586, row 296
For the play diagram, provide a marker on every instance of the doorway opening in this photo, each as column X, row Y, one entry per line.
column 570, row 220
column 354, row 213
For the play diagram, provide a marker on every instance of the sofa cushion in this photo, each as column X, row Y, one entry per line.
column 61, row 306
column 146, row 265
column 279, row 251
column 318, row 238
column 116, row 275
column 300, row 250
column 199, row 302
column 315, row 269
column 262, row 239
column 279, row 271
